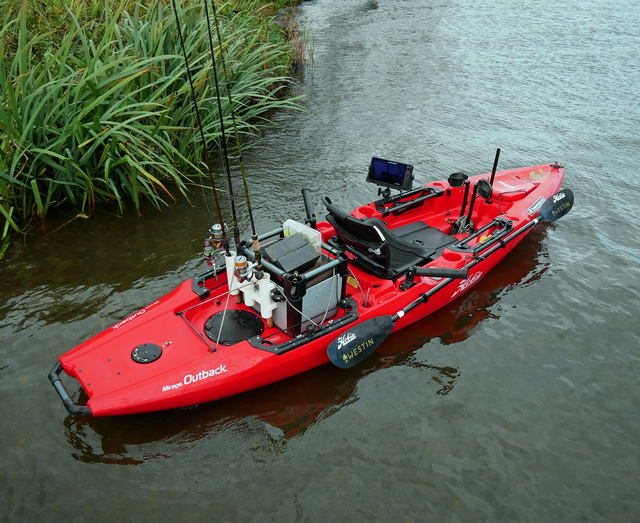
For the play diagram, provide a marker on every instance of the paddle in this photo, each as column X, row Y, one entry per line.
column 556, row 206
column 358, row 342
column 355, row 344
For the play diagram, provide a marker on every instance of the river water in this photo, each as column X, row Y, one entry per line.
column 519, row 402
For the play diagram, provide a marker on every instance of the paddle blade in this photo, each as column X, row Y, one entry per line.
column 557, row 206
column 354, row 345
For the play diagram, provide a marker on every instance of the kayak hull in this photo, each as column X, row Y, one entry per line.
column 172, row 353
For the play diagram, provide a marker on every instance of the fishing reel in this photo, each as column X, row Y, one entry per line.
column 213, row 244
column 243, row 270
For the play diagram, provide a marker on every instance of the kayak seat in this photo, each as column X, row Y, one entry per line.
column 421, row 233
column 386, row 253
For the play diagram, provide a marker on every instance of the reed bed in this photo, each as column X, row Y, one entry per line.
column 99, row 110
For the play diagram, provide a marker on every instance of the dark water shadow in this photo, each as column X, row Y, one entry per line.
column 292, row 406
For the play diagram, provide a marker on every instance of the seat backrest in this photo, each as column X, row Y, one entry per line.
column 380, row 251
column 349, row 229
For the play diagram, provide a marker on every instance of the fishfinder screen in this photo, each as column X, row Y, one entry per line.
column 390, row 174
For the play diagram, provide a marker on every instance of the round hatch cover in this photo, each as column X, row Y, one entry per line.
column 146, row 353
column 238, row 326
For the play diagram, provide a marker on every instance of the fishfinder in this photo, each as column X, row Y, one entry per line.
column 395, row 175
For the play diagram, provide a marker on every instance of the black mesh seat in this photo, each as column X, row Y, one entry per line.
column 385, row 252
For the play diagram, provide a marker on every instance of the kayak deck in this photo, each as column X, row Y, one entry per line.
column 216, row 335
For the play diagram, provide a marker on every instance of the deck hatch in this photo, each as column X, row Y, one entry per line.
column 146, row 353
column 239, row 325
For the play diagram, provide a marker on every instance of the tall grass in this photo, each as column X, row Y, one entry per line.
column 104, row 114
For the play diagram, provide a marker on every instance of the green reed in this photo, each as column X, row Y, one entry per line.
column 100, row 111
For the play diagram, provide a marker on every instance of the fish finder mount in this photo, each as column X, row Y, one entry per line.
column 389, row 175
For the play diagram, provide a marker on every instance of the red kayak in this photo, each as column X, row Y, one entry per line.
column 318, row 292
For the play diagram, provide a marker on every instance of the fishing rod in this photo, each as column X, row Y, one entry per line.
column 225, row 241
column 223, row 137
column 254, row 236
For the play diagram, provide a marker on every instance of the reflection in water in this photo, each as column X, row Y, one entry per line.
column 277, row 412
column 285, row 410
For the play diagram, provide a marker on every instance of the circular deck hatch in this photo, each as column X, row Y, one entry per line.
column 146, row 353
column 238, row 326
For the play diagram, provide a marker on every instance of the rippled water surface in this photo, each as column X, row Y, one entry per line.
column 518, row 402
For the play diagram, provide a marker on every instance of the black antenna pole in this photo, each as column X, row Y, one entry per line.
column 225, row 150
column 202, row 137
column 254, row 236
column 495, row 166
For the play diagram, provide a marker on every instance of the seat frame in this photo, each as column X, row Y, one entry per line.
column 386, row 253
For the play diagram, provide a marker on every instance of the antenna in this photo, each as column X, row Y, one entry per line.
column 495, row 166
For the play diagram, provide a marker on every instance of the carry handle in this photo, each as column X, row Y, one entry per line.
column 70, row 405
column 441, row 272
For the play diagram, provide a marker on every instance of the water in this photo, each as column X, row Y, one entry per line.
column 519, row 402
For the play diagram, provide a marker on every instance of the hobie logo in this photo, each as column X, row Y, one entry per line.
column 192, row 378
column 558, row 197
column 467, row 283
column 345, row 339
